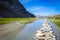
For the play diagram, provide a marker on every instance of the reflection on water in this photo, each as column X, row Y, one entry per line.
column 29, row 31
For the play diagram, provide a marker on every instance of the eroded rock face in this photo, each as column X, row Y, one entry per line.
column 13, row 8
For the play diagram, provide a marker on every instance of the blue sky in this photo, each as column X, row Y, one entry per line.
column 42, row 7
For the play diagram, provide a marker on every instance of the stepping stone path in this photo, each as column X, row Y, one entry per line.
column 45, row 33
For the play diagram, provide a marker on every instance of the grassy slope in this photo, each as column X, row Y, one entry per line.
column 8, row 20
column 56, row 21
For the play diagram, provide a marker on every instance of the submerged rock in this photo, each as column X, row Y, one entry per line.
column 45, row 33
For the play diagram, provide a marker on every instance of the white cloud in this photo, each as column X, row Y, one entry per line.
column 40, row 10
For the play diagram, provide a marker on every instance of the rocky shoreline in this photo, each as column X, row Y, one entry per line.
column 45, row 33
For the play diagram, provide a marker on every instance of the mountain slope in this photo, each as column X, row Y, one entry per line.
column 13, row 9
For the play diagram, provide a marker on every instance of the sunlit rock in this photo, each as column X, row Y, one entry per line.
column 45, row 33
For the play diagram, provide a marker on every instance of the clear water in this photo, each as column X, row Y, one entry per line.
column 29, row 31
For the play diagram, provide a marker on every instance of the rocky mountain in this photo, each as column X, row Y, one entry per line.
column 13, row 9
